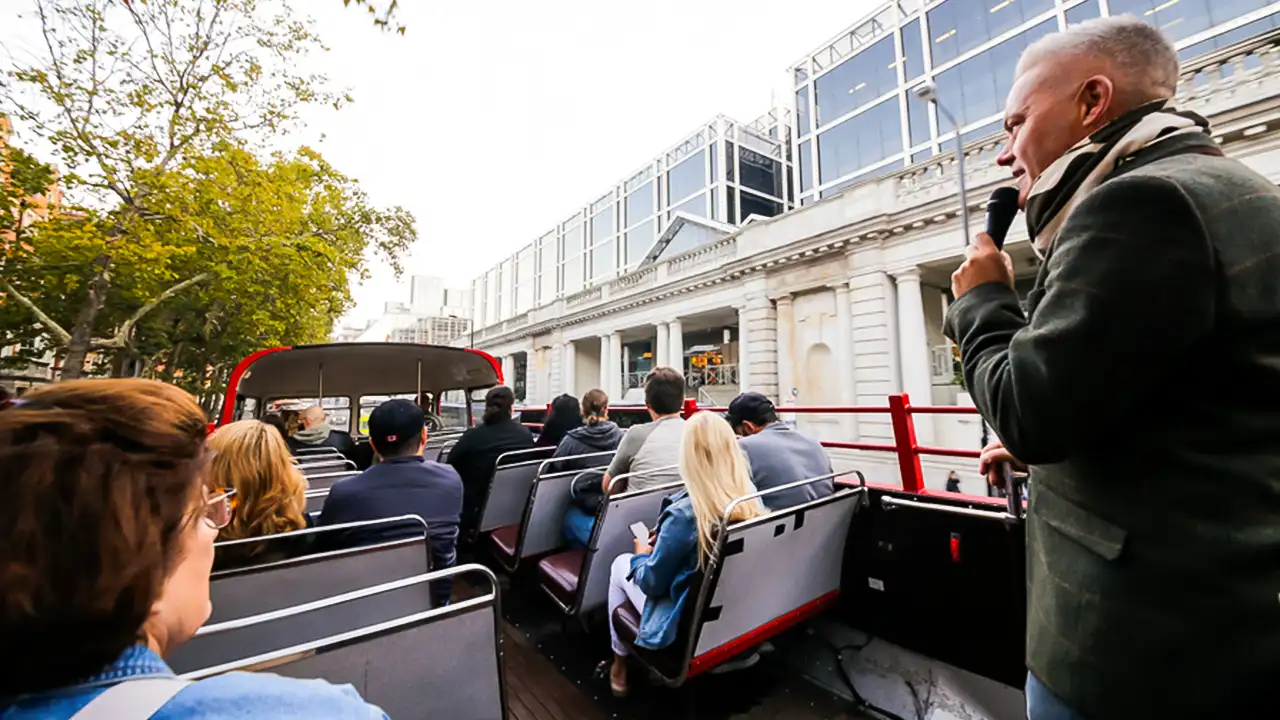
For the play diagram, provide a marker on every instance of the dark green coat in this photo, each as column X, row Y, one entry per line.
column 1142, row 384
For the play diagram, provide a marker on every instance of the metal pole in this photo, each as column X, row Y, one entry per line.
column 964, row 188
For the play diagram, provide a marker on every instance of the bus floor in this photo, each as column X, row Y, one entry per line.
column 550, row 674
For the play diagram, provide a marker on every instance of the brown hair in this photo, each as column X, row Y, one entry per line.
column 664, row 391
column 251, row 457
column 100, row 479
column 595, row 406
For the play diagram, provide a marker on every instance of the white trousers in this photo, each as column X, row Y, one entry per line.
column 620, row 590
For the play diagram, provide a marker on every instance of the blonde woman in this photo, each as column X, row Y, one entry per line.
column 251, row 458
column 657, row 579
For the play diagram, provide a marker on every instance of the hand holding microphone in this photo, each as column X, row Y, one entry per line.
column 985, row 262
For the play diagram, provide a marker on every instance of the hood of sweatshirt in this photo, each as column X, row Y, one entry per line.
column 601, row 436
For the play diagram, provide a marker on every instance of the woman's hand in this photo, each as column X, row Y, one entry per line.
column 642, row 546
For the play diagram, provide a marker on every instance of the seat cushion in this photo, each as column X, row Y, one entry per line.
column 626, row 621
column 503, row 543
column 560, row 574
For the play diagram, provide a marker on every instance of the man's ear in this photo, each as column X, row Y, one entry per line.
column 1096, row 98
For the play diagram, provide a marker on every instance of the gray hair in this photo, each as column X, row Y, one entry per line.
column 1145, row 61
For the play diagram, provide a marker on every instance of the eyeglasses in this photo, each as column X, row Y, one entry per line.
column 218, row 509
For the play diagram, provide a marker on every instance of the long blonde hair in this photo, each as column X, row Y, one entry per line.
column 715, row 473
column 251, row 457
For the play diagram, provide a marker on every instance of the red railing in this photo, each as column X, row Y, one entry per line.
column 900, row 412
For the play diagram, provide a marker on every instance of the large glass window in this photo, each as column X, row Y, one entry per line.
column 714, row 149
column 687, row 178
column 525, row 280
column 638, row 241
column 957, row 26
column 506, row 274
column 802, row 110
column 1183, row 18
column 696, row 206
column 491, row 297
column 571, row 250
column 760, row 173
column 548, row 269
column 917, row 119
column 753, row 204
column 572, row 274
column 1231, row 37
column 1084, row 11
column 602, row 263
column 806, row 170
column 857, row 81
column 639, row 204
column 602, row 225
column 977, row 88
column 860, row 141
column 914, row 56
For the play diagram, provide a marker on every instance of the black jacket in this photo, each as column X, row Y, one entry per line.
column 586, row 440
column 475, row 455
column 1142, row 384
column 337, row 439
column 402, row 486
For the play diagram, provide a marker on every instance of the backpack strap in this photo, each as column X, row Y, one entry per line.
column 132, row 699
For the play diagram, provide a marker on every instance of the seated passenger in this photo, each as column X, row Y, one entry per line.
column 598, row 435
column 655, row 444
column 316, row 432
column 404, row 483
column 657, row 579
column 276, row 421
column 778, row 454
column 476, row 453
column 251, row 458
column 565, row 415
column 106, row 543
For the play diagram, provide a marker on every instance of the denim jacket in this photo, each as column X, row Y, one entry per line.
column 665, row 574
column 233, row 695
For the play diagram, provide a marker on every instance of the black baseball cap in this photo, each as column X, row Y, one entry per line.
column 394, row 421
column 751, row 407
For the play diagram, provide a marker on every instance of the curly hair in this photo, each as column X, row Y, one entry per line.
column 101, row 478
column 251, row 457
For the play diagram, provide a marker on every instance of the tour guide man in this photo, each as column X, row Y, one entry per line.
column 1141, row 384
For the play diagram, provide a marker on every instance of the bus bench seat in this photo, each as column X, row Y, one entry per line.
column 560, row 573
column 502, row 541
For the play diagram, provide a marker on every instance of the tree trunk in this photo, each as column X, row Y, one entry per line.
column 82, row 331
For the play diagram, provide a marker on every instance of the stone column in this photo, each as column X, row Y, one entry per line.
column 569, row 380
column 626, row 367
column 615, row 366
column 604, row 364
column 744, row 350
column 661, row 346
column 844, row 354
column 786, row 349
column 675, row 351
column 913, row 349
column 759, row 328
column 509, row 371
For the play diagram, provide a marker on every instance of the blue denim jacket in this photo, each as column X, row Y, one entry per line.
column 233, row 695
column 666, row 573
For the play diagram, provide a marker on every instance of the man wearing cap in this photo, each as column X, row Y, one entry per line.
column 777, row 453
column 404, row 483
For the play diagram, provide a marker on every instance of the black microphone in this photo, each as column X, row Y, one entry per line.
column 1001, row 209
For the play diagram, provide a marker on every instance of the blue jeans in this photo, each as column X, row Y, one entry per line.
column 1042, row 704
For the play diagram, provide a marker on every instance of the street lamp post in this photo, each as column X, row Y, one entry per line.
column 929, row 93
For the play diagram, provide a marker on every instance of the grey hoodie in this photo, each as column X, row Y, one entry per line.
column 586, row 440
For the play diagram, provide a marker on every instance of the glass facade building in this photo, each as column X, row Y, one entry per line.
column 725, row 171
column 857, row 116
column 854, row 116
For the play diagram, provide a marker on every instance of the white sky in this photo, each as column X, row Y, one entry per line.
column 492, row 121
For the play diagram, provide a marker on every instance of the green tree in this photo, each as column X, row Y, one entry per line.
column 384, row 18
column 155, row 110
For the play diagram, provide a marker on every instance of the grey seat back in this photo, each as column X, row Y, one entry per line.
column 324, row 481
column 542, row 529
column 314, row 451
column 264, row 590
column 441, row 663
column 612, row 536
column 509, row 487
column 315, row 500
column 327, row 467
column 445, row 447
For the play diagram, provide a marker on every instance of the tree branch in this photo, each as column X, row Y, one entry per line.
column 63, row 336
column 121, row 338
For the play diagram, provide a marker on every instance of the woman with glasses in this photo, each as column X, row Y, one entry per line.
column 106, row 544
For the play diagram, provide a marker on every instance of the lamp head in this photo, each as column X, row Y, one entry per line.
column 927, row 92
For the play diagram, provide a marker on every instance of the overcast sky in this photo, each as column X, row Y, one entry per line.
column 492, row 121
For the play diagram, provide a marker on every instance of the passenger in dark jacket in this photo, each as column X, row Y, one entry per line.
column 565, row 415
column 476, row 454
column 1153, row 530
column 316, row 432
column 404, row 483
column 598, row 435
